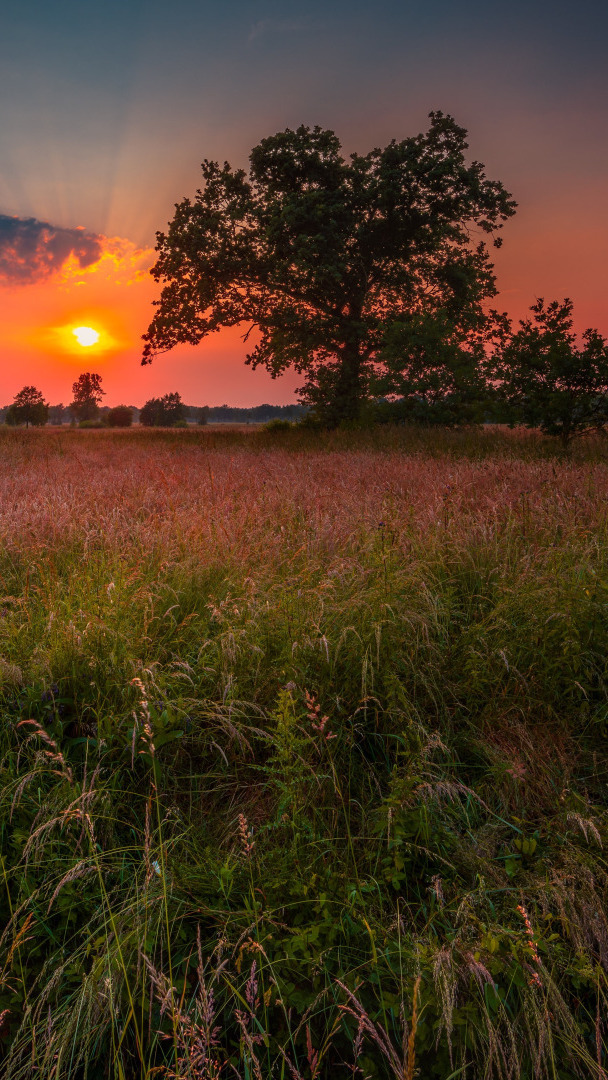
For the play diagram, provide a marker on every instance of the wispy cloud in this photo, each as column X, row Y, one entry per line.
column 276, row 26
column 120, row 262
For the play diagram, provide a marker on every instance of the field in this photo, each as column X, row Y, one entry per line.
column 303, row 755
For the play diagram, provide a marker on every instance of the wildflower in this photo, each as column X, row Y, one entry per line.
column 534, row 979
column 517, row 770
column 318, row 722
column 246, row 836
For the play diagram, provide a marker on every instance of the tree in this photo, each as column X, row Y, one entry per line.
column 163, row 412
column 29, row 407
column 321, row 255
column 549, row 382
column 87, row 396
column 436, row 366
column 57, row 414
column 120, row 416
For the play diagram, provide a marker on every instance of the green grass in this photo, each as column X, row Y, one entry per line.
column 298, row 731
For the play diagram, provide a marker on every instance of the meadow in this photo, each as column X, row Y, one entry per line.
column 303, row 764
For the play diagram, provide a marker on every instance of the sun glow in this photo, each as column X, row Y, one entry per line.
column 85, row 335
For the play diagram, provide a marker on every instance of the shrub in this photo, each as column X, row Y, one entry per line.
column 120, row 416
column 278, row 425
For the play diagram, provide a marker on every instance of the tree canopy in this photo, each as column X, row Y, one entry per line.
column 163, row 412
column 87, row 396
column 29, row 407
column 550, row 382
column 120, row 416
column 321, row 256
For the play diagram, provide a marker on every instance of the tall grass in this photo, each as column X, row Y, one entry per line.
column 303, row 755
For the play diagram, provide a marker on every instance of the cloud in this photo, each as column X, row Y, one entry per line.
column 276, row 26
column 32, row 250
column 120, row 262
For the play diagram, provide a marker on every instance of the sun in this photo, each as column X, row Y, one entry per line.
column 85, row 335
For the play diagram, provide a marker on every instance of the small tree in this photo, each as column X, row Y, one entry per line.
column 163, row 412
column 87, row 396
column 120, row 416
column 29, row 407
column 548, row 381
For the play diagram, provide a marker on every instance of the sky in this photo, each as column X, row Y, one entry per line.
column 108, row 110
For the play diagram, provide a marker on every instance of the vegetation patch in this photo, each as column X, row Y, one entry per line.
column 304, row 757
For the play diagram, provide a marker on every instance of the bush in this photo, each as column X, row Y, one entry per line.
column 91, row 424
column 120, row 416
column 278, row 425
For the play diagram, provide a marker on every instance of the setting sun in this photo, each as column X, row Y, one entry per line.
column 85, row 335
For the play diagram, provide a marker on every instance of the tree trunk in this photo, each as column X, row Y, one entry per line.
column 348, row 387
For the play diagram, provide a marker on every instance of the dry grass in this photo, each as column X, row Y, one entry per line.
column 132, row 492
column 373, row 668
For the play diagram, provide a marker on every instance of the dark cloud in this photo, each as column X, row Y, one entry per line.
column 32, row 250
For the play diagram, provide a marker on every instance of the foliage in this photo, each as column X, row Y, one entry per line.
column 87, row 396
column 57, row 414
column 29, row 407
column 258, row 414
column 435, row 367
column 548, row 381
column 166, row 411
column 303, row 755
column 120, row 416
column 322, row 255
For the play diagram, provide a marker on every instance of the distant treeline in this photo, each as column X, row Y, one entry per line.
column 195, row 414
column 259, row 414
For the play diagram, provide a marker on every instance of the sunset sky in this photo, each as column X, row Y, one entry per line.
column 109, row 108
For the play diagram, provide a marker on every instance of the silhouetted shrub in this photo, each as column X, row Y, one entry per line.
column 120, row 416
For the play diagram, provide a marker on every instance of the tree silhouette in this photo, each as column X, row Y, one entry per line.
column 436, row 366
column 29, row 407
column 547, row 380
column 163, row 412
column 87, row 396
column 120, row 416
column 320, row 256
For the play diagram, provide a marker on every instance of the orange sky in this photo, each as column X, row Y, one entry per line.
column 114, row 297
column 109, row 108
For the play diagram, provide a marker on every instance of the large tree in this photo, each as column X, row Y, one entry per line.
column 320, row 255
column 550, row 381
column 87, row 396
column 29, row 407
